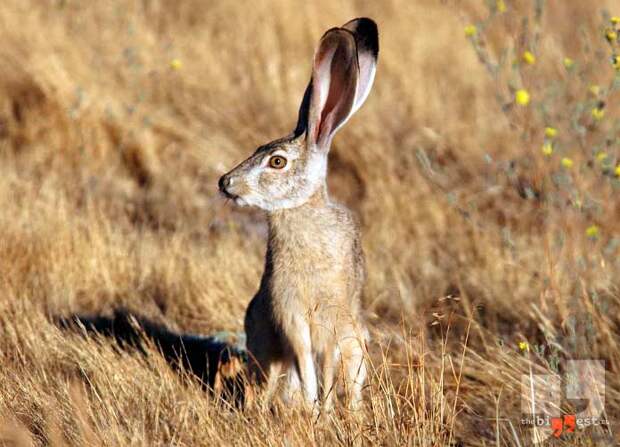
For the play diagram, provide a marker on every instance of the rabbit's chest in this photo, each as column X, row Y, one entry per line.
column 312, row 270
column 310, row 259
column 310, row 254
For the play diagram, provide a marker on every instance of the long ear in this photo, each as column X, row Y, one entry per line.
column 331, row 94
column 337, row 75
column 367, row 40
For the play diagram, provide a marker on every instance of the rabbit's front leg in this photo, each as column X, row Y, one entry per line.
column 301, row 345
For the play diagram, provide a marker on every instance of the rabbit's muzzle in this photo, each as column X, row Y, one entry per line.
column 233, row 188
column 224, row 183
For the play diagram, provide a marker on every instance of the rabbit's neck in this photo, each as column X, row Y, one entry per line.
column 318, row 200
column 304, row 230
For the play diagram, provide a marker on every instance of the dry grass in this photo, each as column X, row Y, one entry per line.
column 108, row 172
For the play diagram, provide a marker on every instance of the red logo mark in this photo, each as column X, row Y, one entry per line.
column 565, row 424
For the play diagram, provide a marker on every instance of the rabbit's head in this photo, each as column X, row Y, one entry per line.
column 287, row 172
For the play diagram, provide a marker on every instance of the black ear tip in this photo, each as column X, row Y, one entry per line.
column 366, row 34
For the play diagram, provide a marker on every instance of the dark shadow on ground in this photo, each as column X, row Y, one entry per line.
column 217, row 361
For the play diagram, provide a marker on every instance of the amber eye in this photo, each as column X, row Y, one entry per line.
column 277, row 162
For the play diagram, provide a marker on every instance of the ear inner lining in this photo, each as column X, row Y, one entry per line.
column 344, row 66
column 332, row 103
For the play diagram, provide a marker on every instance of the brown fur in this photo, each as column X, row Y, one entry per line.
column 304, row 320
column 314, row 275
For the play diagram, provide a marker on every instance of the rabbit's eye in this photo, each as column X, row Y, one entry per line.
column 277, row 162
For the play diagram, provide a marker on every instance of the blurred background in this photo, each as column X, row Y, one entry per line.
column 484, row 166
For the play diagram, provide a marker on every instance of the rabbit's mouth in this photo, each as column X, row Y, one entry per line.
column 227, row 194
column 226, row 182
column 239, row 201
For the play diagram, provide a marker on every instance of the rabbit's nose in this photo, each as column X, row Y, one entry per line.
column 224, row 182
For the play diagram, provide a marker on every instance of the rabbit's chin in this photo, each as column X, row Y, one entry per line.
column 240, row 201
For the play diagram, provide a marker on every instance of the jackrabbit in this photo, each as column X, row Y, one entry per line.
column 306, row 310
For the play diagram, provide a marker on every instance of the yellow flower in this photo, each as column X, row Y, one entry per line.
column 529, row 58
column 611, row 35
column 176, row 64
column 501, row 6
column 595, row 89
column 567, row 162
column 592, row 231
column 615, row 20
column 547, row 149
column 598, row 113
column 568, row 62
column 524, row 346
column 522, row 97
column 470, row 30
column 615, row 61
column 550, row 132
column 617, row 171
column 601, row 156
